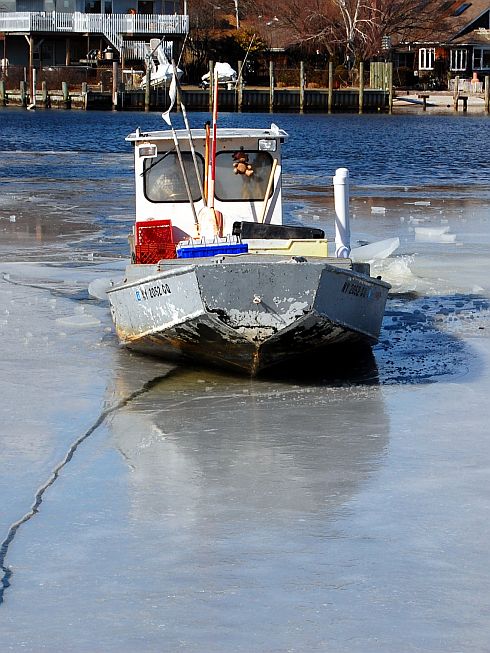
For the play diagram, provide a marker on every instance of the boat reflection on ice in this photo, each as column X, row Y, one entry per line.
column 208, row 450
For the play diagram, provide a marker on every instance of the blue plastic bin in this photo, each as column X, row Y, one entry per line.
column 197, row 251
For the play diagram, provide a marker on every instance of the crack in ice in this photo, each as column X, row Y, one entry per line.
column 38, row 498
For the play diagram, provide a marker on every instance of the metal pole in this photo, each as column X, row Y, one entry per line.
column 342, row 226
column 211, row 77
column 271, row 86
column 147, row 85
column 239, row 87
column 487, row 93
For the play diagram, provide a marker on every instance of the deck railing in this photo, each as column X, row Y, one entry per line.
column 137, row 50
column 28, row 21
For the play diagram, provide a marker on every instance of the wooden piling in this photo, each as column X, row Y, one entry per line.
column 390, row 87
column 330, row 86
column 456, row 93
column 361, row 86
column 487, row 93
column 3, row 93
column 115, row 73
column 301, row 87
column 271, row 86
column 44, row 95
column 31, row 67
column 85, row 95
column 23, row 93
column 34, row 87
column 66, row 95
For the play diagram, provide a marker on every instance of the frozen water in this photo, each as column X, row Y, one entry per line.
column 373, row 251
column 150, row 507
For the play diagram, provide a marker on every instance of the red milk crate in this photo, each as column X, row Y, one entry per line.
column 153, row 240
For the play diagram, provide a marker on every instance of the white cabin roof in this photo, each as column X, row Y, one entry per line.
column 200, row 134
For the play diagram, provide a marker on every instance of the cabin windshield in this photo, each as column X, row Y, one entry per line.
column 163, row 180
column 242, row 175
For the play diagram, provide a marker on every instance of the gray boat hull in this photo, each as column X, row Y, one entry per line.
column 246, row 313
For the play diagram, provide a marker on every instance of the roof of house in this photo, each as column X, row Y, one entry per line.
column 452, row 20
column 460, row 14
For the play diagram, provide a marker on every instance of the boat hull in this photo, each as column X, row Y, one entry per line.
column 246, row 313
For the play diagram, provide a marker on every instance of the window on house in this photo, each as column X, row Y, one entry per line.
column 459, row 59
column 462, row 8
column 481, row 58
column 92, row 6
column 426, row 58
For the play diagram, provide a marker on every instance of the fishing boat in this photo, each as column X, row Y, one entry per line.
column 215, row 277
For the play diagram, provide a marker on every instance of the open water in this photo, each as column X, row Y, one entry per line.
column 344, row 507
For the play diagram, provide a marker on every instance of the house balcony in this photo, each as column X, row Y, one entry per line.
column 115, row 27
column 29, row 22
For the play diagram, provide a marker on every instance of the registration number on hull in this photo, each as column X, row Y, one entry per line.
column 158, row 290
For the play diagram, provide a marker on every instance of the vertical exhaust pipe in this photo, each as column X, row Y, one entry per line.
column 342, row 226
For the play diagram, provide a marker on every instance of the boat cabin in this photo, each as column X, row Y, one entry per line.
column 245, row 172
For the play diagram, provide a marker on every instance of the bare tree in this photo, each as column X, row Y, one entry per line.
column 353, row 27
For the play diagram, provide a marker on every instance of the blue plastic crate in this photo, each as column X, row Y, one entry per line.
column 197, row 251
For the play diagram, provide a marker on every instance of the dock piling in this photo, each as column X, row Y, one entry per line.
column 23, row 93
column 361, row 86
column 301, row 87
column 66, row 95
column 330, row 86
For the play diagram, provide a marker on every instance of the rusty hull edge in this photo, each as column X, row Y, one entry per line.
column 206, row 340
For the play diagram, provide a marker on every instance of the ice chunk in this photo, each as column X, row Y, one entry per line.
column 434, row 235
column 98, row 287
column 378, row 250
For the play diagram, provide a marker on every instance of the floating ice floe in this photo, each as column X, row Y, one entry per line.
column 98, row 287
column 434, row 235
column 378, row 250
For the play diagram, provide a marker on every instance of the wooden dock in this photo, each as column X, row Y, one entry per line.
column 247, row 100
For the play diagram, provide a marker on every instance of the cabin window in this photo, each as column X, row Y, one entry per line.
column 245, row 182
column 459, row 59
column 163, row 179
column 481, row 58
column 426, row 58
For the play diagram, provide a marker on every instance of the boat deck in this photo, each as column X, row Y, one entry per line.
column 138, row 271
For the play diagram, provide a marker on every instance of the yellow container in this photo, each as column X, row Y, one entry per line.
column 293, row 247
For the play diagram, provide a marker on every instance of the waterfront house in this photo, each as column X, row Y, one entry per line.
column 459, row 46
column 63, row 32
